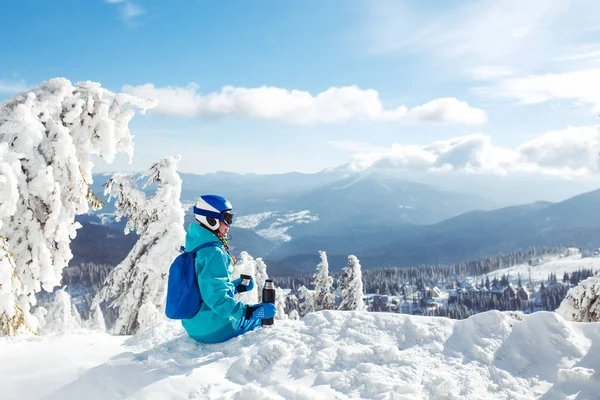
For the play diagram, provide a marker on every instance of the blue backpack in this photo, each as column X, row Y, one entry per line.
column 183, row 294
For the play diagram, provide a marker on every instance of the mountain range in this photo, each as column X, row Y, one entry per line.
column 384, row 220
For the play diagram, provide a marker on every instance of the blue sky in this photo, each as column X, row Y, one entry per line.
column 482, row 82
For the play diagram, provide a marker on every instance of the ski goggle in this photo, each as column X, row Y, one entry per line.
column 227, row 217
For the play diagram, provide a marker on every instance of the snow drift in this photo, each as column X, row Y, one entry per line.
column 326, row 355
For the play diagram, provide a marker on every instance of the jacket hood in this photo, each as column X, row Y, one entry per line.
column 197, row 235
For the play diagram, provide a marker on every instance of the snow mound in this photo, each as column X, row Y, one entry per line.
column 327, row 355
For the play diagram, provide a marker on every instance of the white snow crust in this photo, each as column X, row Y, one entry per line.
column 325, row 355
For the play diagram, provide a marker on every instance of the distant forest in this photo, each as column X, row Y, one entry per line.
column 389, row 280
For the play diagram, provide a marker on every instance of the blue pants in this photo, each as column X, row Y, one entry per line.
column 246, row 325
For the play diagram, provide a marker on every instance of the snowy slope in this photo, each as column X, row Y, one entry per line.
column 274, row 225
column 540, row 272
column 327, row 355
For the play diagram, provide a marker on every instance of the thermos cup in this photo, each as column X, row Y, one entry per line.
column 242, row 287
column 268, row 296
column 246, row 279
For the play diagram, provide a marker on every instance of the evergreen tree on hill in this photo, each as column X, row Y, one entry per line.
column 351, row 286
column 139, row 282
column 323, row 283
column 47, row 137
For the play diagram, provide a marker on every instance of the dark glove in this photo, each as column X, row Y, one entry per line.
column 240, row 287
column 260, row 311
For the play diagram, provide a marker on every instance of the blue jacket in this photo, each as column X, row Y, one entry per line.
column 220, row 314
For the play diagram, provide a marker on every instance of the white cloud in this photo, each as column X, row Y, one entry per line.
column 514, row 35
column 336, row 104
column 486, row 73
column 355, row 146
column 12, row 86
column 586, row 54
column 579, row 86
column 130, row 11
column 447, row 110
column 570, row 152
column 576, row 148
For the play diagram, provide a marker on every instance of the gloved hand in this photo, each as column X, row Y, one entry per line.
column 260, row 311
column 240, row 287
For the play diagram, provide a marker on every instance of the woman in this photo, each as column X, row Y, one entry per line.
column 221, row 317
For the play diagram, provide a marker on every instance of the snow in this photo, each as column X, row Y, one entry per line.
column 251, row 221
column 278, row 223
column 540, row 272
column 48, row 136
column 581, row 303
column 325, row 355
column 137, row 286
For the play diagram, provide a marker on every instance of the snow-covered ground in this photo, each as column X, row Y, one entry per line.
column 326, row 355
column 274, row 225
column 540, row 272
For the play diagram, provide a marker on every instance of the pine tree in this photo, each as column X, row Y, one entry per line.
column 291, row 303
column 351, row 286
column 47, row 137
column 322, row 281
column 140, row 280
column 280, row 304
column 40, row 313
column 96, row 320
column 261, row 277
column 12, row 316
column 307, row 301
column 582, row 303
column 60, row 317
column 246, row 264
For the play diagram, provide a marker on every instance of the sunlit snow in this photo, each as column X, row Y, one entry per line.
column 277, row 223
column 326, row 355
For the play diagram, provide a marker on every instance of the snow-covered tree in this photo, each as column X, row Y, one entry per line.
column 323, row 282
column 351, row 286
column 11, row 314
column 61, row 317
column 246, row 264
column 291, row 304
column 96, row 320
column 261, row 277
column 47, row 138
column 307, row 301
column 148, row 316
column 40, row 314
column 280, row 304
column 76, row 315
column 258, row 270
column 582, row 303
column 140, row 280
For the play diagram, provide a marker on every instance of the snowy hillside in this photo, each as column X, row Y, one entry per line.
column 327, row 355
column 540, row 272
column 274, row 225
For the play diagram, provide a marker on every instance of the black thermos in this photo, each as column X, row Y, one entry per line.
column 268, row 296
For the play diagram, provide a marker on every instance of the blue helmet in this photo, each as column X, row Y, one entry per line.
column 212, row 210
